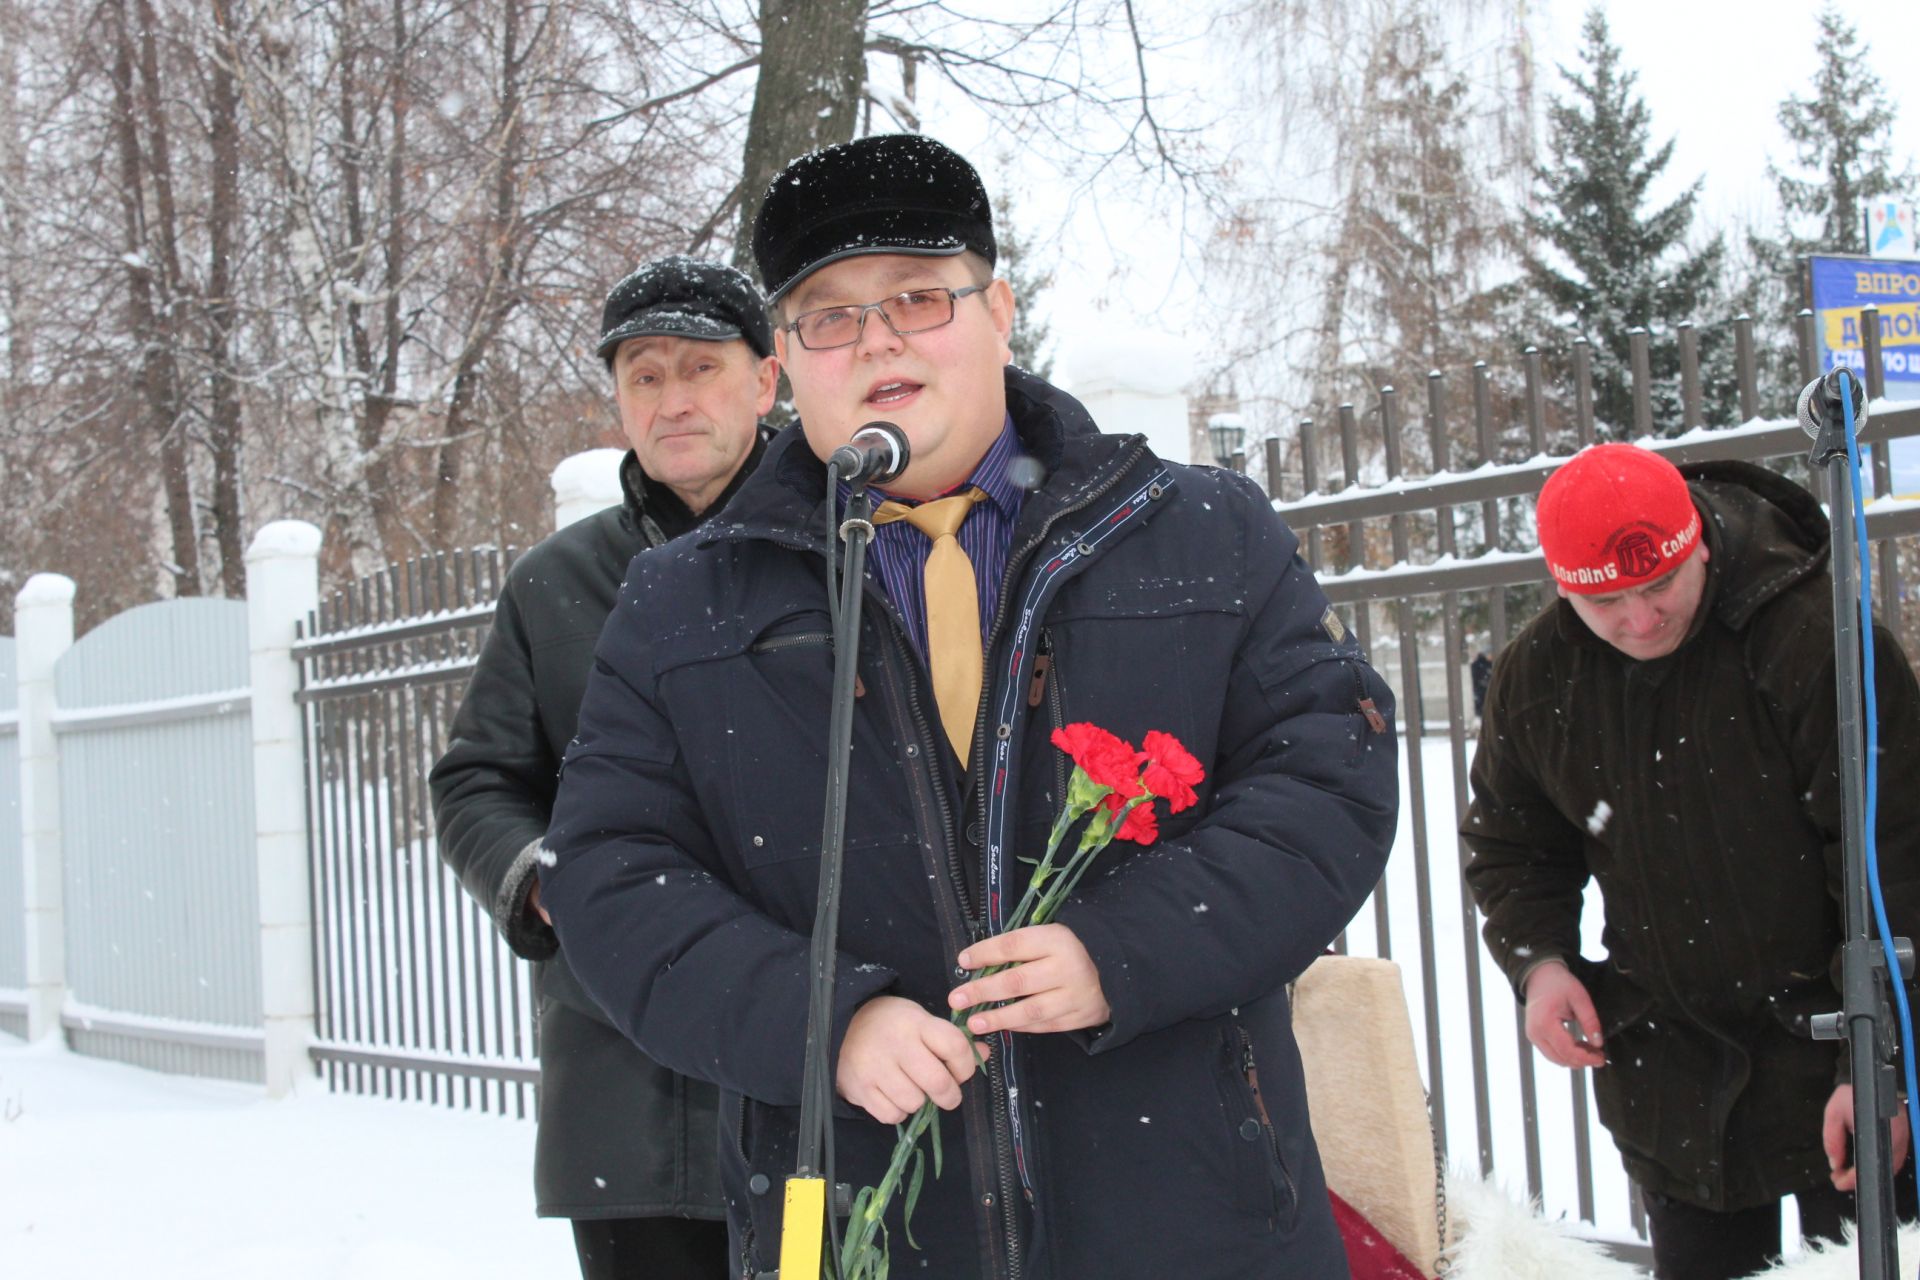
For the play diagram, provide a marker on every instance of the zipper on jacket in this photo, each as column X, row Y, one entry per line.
column 1252, row 1073
column 772, row 644
column 1056, row 695
column 1016, row 565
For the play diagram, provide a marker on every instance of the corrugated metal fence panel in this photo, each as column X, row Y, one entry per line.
column 156, row 790
column 13, row 941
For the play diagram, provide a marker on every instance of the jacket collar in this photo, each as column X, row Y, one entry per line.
column 651, row 509
column 784, row 499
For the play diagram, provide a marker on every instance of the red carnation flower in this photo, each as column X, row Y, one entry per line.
column 1172, row 771
column 1106, row 759
column 1142, row 825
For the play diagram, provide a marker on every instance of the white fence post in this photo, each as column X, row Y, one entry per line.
column 43, row 630
column 1135, row 380
column 283, row 586
column 584, row 483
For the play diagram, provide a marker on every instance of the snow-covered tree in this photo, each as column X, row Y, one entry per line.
column 1841, row 137
column 1602, row 260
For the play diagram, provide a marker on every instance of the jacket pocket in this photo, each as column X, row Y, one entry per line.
column 1617, row 999
column 1264, row 1186
column 769, row 1142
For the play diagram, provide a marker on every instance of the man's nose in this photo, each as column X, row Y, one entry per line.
column 876, row 333
column 1642, row 617
column 675, row 398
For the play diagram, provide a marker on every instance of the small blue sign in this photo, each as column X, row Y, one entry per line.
column 1840, row 288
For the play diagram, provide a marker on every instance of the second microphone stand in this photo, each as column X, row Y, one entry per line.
column 1867, row 1013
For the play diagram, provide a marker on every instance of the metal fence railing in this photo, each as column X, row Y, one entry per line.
column 417, row 997
column 1390, row 556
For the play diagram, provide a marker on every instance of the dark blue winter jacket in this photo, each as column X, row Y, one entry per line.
column 1139, row 595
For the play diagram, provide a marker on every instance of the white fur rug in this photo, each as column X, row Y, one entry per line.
column 1495, row 1238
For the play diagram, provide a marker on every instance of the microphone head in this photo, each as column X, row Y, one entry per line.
column 1804, row 410
column 1822, row 396
column 880, row 431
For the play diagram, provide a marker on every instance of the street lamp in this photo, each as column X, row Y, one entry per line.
column 1227, row 432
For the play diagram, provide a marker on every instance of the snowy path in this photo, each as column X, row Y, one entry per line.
column 107, row 1170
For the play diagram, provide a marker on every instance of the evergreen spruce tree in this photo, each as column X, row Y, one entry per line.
column 1616, row 265
column 1842, row 153
column 1842, row 146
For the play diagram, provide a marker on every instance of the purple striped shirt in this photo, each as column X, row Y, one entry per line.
column 899, row 551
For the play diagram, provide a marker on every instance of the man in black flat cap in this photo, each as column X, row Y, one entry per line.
column 1143, row 1113
column 626, row 1148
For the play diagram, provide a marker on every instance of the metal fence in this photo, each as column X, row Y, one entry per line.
column 13, row 941
column 1390, row 556
column 156, row 810
column 418, row 998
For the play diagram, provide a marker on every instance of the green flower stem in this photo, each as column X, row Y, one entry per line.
column 1076, row 868
column 1042, row 873
column 860, row 1257
column 857, row 1253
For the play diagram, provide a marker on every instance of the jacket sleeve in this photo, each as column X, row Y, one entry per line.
column 1301, row 815
column 493, row 789
column 688, row 968
column 1527, row 866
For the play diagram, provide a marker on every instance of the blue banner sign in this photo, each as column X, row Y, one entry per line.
column 1839, row 288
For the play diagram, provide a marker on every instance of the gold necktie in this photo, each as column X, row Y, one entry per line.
column 953, row 610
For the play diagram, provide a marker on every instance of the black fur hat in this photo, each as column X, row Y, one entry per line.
column 681, row 297
column 892, row 193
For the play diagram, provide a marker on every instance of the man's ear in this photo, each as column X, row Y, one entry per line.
column 1001, row 306
column 780, row 345
column 769, row 376
column 1561, row 589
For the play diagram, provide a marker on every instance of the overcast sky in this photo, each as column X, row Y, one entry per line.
column 1713, row 73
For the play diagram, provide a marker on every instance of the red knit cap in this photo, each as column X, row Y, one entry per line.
column 1615, row 517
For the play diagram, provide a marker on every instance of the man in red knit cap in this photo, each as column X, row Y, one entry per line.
column 1668, row 728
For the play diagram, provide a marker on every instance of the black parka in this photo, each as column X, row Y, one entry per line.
column 1139, row 595
column 1701, row 791
column 620, row 1136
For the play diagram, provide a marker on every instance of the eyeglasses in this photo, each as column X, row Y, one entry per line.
column 914, row 311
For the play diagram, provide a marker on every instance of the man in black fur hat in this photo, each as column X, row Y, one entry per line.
column 626, row 1147
column 1143, row 1113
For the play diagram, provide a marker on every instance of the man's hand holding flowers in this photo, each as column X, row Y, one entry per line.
column 897, row 1056
column 1050, row 986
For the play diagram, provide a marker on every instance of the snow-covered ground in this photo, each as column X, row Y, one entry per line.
column 107, row 1170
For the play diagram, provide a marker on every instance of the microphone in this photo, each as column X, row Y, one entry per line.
column 1821, row 397
column 876, row 454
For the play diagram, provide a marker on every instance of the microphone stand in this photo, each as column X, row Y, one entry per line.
column 1866, row 1020
column 807, row 1215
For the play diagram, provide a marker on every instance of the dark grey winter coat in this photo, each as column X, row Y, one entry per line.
column 1701, row 791
column 1139, row 595
column 620, row 1136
